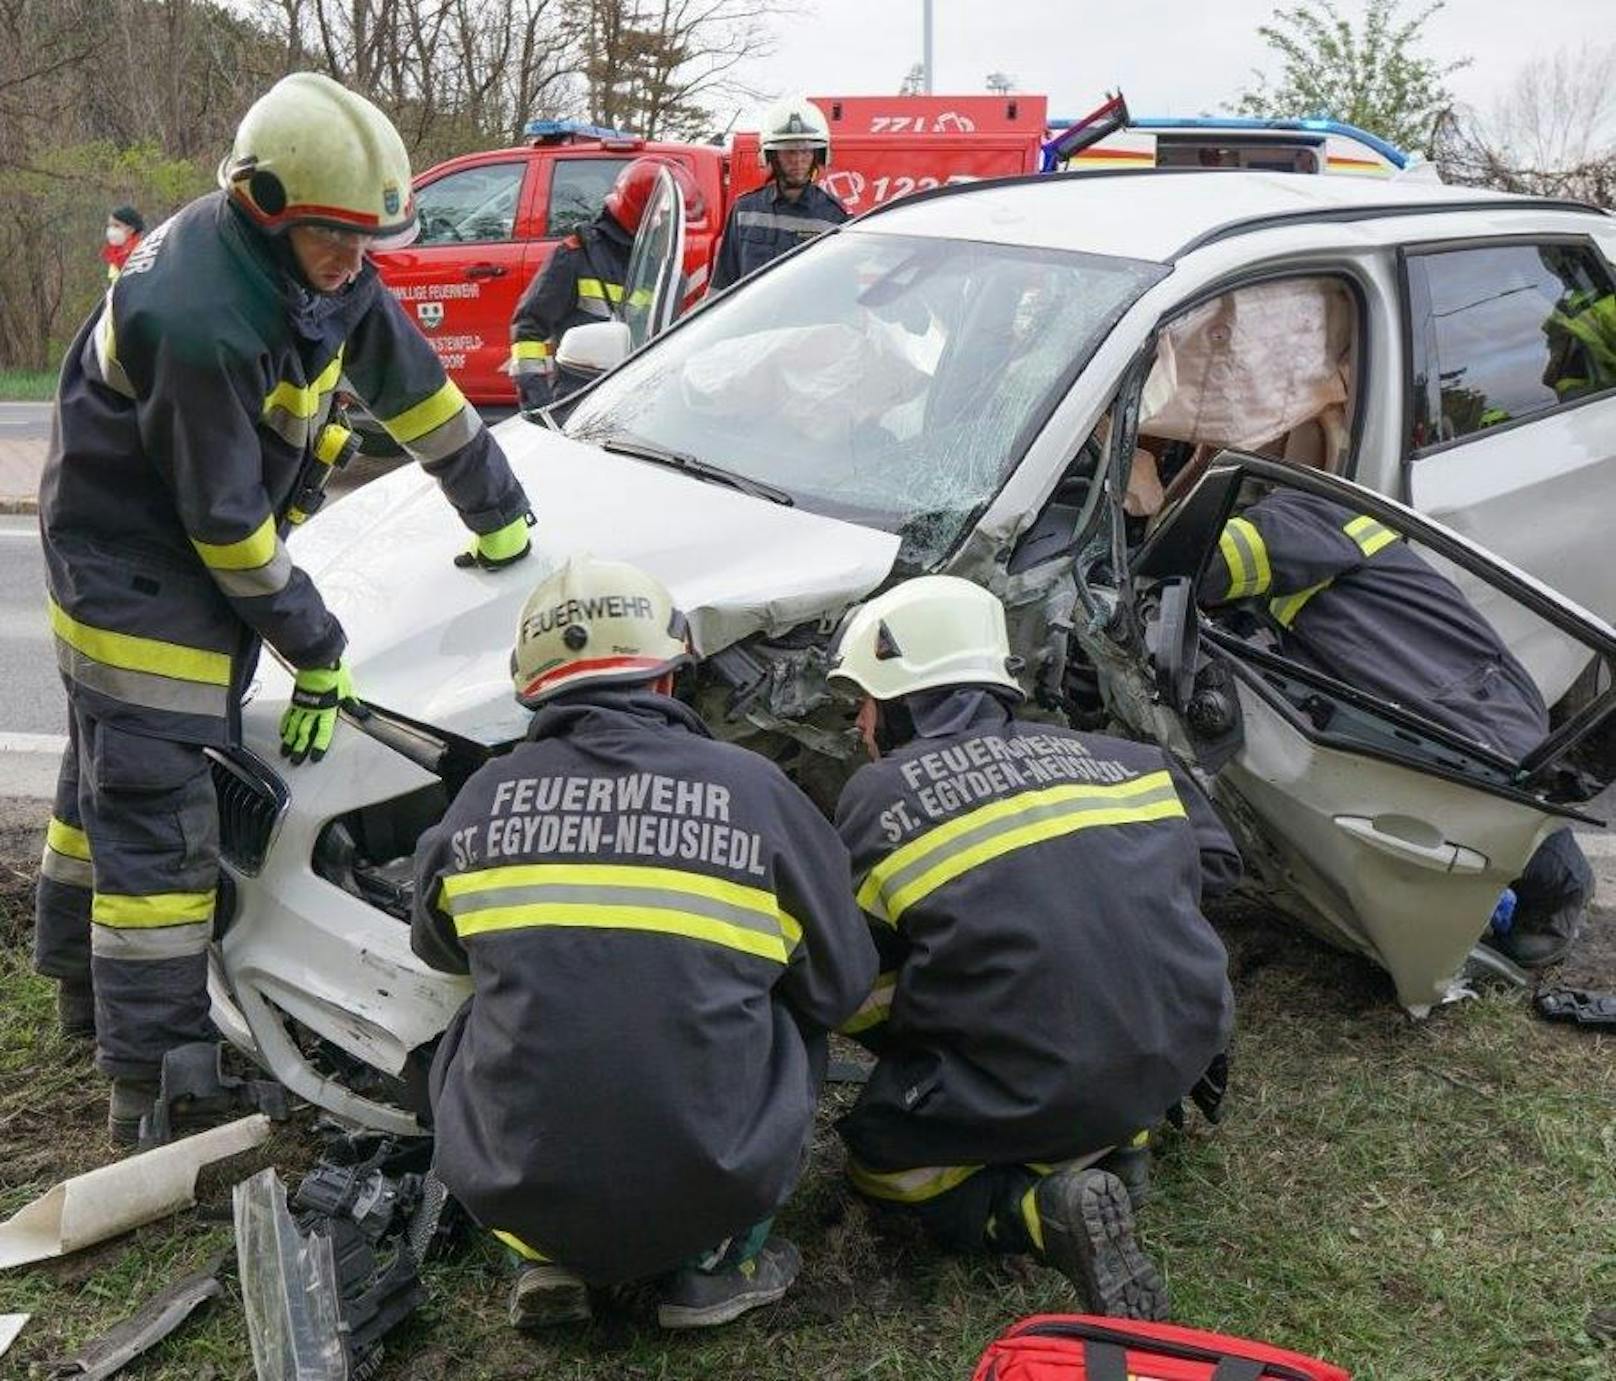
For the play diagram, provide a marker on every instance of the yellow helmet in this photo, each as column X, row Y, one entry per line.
column 934, row 630
column 311, row 152
column 595, row 621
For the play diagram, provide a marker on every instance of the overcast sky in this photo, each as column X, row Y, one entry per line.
column 1170, row 57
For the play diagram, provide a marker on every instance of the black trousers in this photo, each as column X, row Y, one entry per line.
column 127, row 889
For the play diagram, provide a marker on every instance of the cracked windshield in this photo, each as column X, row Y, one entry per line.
column 887, row 380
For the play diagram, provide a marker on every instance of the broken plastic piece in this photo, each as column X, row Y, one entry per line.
column 10, row 1327
column 142, row 1330
column 288, row 1288
column 1578, row 1005
column 102, row 1203
column 193, row 1080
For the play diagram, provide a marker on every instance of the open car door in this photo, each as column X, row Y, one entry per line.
column 653, row 285
column 1381, row 826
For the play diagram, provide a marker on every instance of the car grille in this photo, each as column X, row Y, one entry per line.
column 251, row 803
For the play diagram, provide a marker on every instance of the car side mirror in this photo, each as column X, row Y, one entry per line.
column 595, row 348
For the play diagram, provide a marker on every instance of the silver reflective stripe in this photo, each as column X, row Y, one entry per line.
column 268, row 579
column 141, row 687
column 526, row 368
column 150, row 942
column 645, row 898
column 1073, row 810
column 71, row 872
column 99, row 358
column 442, row 442
column 797, row 225
column 593, row 306
column 286, row 424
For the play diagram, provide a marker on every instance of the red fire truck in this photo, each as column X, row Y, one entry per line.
column 489, row 221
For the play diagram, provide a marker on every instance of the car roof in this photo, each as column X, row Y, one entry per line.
column 1161, row 214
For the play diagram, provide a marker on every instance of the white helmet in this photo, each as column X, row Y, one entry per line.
column 591, row 622
column 935, row 630
column 794, row 122
column 311, row 152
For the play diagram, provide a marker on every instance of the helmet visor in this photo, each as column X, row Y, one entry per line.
column 343, row 237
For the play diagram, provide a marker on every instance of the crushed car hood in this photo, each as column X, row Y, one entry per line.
column 433, row 643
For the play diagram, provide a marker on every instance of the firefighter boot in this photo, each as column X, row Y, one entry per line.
column 1086, row 1233
column 545, row 1295
column 132, row 1099
column 75, row 1008
column 697, row 1298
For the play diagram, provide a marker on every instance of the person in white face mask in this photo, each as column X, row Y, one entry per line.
column 125, row 226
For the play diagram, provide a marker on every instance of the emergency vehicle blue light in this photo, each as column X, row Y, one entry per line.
column 573, row 129
column 1313, row 124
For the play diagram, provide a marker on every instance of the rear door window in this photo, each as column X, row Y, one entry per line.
column 578, row 188
column 1507, row 332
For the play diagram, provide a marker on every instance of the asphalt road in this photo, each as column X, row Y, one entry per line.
column 24, row 421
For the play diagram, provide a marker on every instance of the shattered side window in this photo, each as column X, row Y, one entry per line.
column 890, row 380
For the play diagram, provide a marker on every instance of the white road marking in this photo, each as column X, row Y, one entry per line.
column 30, row 534
column 33, row 743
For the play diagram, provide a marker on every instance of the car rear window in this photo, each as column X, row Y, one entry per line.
column 1507, row 332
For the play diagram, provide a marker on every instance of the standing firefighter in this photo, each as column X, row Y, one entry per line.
column 581, row 283
column 659, row 933
column 191, row 428
column 1049, row 987
column 1348, row 597
column 789, row 208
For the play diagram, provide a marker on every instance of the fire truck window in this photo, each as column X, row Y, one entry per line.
column 578, row 186
column 471, row 207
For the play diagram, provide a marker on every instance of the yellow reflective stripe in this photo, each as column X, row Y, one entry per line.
column 256, row 549
column 1369, row 533
column 1246, row 555
column 595, row 916
column 333, row 437
column 1029, row 1216
column 604, row 292
column 517, row 1245
column 132, row 653
column 154, row 909
column 875, row 1008
column 530, row 350
column 1287, row 607
column 67, row 839
column 304, row 401
column 908, row 1186
column 621, row 875
column 1061, row 810
column 427, row 415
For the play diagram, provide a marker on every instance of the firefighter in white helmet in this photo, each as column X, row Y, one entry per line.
column 194, row 426
column 1049, row 987
column 659, row 935
column 794, row 144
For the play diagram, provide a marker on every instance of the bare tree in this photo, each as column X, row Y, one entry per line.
column 1000, row 83
column 914, row 80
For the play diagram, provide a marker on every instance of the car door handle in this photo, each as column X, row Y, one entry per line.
column 485, row 271
column 1390, row 835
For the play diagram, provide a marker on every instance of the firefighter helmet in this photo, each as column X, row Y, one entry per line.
column 311, row 152
column 631, row 193
column 794, row 123
column 935, row 630
column 592, row 622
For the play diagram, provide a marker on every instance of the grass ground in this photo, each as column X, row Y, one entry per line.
column 1432, row 1202
column 17, row 386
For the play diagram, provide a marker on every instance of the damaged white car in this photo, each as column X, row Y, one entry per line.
column 1060, row 388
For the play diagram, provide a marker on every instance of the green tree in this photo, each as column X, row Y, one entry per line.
column 1371, row 74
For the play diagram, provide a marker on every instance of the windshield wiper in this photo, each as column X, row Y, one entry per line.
column 621, row 443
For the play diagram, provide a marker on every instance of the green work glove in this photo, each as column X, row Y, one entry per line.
column 503, row 546
column 309, row 721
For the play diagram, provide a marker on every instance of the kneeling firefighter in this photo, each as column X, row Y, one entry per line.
column 191, row 430
column 1049, row 986
column 659, row 936
column 1346, row 595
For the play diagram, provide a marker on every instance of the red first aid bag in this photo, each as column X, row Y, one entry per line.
column 1087, row 1347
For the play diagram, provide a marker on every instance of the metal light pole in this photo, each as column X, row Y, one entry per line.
column 926, row 22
